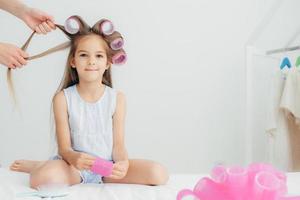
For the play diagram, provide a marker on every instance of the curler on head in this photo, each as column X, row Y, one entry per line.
column 104, row 27
column 119, row 57
column 72, row 26
column 75, row 24
column 115, row 40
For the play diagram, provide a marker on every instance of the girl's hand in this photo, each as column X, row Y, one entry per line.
column 120, row 169
column 81, row 161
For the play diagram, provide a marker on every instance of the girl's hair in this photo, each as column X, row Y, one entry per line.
column 70, row 77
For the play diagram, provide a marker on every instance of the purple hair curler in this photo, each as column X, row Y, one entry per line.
column 117, row 44
column 119, row 58
column 115, row 40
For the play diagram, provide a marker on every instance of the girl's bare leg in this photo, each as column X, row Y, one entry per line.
column 47, row 172
column 25, row 165
column 54, row 171
column 144, row 172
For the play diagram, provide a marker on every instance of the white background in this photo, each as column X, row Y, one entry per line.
column 185, row 79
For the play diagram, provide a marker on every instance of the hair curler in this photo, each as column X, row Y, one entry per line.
column 115, row 41
column 119, row 58
column 102, row 167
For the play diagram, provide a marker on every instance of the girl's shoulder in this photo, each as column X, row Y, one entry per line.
column 59, row 99
column 117, row 93
column 63, row 96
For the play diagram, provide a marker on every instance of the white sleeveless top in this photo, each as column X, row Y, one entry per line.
column 91, row 123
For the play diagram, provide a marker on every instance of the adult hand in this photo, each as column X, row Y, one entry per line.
column 12, row 56
column 37, row 20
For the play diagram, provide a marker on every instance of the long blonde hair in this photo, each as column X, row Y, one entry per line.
column 70, row 76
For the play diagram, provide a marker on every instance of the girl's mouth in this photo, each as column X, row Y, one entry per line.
column 91, row 69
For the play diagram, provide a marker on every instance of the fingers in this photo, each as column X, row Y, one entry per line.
column 45, row 27
column 86, row 164
column 117, row 174
column 23, row 53
column 42, row 29
column 119, row 167
column 51, row 24
column 85, row 161
column 119, row 171
column 17, row 62
column 88, row 157
column 20, row 58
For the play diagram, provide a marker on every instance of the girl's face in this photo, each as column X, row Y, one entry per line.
column 90, row 58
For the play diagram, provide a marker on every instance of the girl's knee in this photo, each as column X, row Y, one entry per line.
column 158, row 174
column 48, row 174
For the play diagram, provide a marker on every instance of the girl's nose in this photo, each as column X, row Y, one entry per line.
column 91, row 62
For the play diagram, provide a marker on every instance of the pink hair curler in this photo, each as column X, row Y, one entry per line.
column 185, row 193
column 236, row 182
column 119, row 58
column 258, row 181
column 266, row 186
column 102, row 167
column 106, row 27
column 218, row 174
column 117, row 44
column 206, row 189
column 255, row 168
column 72, row 25
column 115, row 40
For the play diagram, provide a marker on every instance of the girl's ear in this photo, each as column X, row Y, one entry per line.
column 72, row 63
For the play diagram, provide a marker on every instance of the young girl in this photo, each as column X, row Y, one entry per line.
column 89, row 117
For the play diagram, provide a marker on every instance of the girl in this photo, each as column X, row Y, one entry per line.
column 89, row 117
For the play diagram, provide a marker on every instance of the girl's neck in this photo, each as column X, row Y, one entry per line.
column 90, row 90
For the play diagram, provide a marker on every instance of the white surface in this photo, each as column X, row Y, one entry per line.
column 12, row 183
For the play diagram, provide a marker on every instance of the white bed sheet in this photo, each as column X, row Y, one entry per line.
column 12, row 183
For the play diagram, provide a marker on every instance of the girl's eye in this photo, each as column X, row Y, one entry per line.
column 99, row 56
column 83, row 55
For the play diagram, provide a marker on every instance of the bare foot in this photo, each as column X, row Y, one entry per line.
column 25, row 165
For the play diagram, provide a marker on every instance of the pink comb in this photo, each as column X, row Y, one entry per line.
column 102, row 167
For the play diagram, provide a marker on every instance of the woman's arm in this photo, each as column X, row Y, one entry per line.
column 36, row 19
column 77, row 159
column 12, row 6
